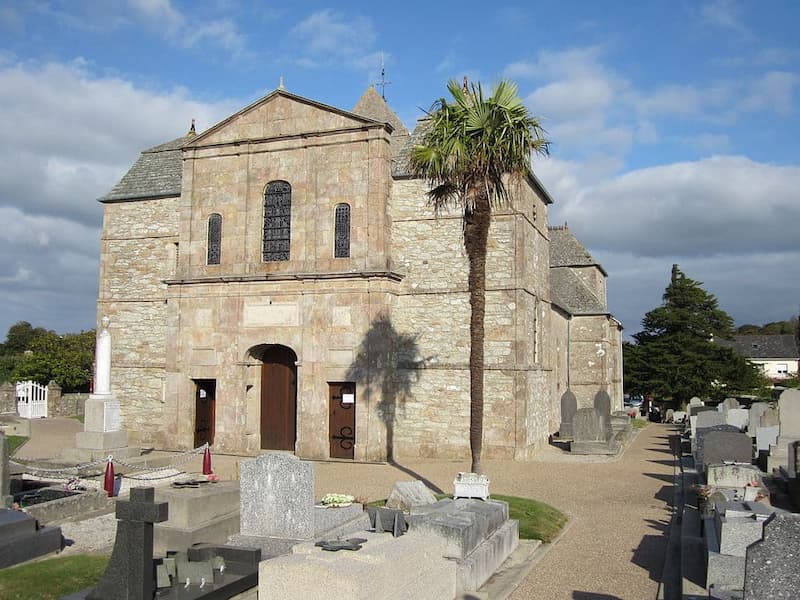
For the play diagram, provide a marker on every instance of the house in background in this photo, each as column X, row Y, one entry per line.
column 777, row 355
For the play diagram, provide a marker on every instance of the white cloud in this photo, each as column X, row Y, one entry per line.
column 159, row 11
column 69, row 136
column 725, row 14
column 327, row 36
column 718, row 206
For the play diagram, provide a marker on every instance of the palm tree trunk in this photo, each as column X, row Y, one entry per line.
column 476, row 234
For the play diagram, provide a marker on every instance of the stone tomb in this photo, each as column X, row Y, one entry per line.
column 728, row 532
column 592, row 433
column 277, row 509
column 789, row 420
column 699, row 442
column 208, row 513
column 726, row 446
column 771, row 567
column 405, row 495
column 22, row 539
column 569, row 406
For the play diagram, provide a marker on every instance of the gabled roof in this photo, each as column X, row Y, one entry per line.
column 763, row 346
column 282, row 92
column 155, row 174
column 567, row 251
column 570, row 293
column 375, row 107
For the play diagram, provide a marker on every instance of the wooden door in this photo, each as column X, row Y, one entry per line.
column 342, row 419
column 279, row 399
column 204, row 408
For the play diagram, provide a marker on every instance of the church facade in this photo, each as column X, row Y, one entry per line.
column 279, row 281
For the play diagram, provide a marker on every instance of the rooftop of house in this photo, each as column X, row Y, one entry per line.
column 782, row 346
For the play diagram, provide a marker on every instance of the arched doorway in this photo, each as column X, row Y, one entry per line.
column 278, row 398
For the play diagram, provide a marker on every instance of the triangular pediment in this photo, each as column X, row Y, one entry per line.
column 281, row 114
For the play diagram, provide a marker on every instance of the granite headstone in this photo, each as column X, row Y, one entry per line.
column 277, row 496
column 699, row 448
column 738, row 417
column 756, row 410
column 727, row 446
column 569, row 405
column 771, row 565
column 407, row 494
column 769, row 418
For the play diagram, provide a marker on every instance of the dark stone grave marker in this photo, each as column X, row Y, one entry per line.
column 22, row 539
column 727, row 446
column 772, row 567
column 569, row 406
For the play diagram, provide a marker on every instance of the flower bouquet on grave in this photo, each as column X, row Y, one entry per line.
column 336, row 500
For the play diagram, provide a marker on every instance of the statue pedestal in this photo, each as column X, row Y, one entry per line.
column 101, row 433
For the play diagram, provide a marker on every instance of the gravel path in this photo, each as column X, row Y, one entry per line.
column 613, row 548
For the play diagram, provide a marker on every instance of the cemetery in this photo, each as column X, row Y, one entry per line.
column 736, row 524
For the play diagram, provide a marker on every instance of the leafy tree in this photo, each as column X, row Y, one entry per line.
column 66, row 359
column 21, row 335
column 675, row 358
column 470, row 147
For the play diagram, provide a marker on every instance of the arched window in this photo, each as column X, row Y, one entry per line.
column 214, row 238
column 277, row 221
column 341, row 234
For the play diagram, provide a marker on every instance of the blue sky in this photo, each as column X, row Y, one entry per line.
column 674, row 124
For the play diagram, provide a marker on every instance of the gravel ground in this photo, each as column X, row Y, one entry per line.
column 613, row 548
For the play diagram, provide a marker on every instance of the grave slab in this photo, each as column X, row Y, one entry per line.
column 771, row 567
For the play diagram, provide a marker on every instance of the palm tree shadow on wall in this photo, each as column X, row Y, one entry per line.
column 387, row 365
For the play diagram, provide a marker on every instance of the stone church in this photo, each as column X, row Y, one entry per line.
column 279, row 281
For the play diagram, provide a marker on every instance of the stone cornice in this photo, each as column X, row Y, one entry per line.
column 391, row 275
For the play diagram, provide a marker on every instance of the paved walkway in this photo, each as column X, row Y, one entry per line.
column 613, row 547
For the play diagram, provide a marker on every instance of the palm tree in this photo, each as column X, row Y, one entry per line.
column 472, row 147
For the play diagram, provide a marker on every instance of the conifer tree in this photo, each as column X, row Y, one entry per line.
column 675, row 357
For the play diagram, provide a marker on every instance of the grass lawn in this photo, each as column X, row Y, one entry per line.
column 640, row 423
column 52, row 578
column 537, row 520
column 77, row 418
column 14, row 442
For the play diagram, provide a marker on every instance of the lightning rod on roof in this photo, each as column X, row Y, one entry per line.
column 383, row 83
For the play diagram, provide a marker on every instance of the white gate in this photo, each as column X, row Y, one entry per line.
column 31, row 400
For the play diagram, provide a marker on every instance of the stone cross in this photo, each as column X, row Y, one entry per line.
column 130, row 574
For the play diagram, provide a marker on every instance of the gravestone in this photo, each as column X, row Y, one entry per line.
column 695, row 401
column 602, row 403
column 738, row 417
column 670, row 416
column 756, row 410
column 21, row 538
column 710, row 419
column 771, row 564
column 5, row 478
column 727, row 446
column 769, row 418
column 789, row 420
column 728, row 404
column 569, row 405
column 129, row 574
column 789, row 414
column 696, row 409
column 407, row 494
column 277, row 496
column 766, row 437
column 592, row 434
column 699, row 449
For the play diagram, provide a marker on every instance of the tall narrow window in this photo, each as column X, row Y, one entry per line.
column 277, row 220
column 214, row 238
column 342, row 231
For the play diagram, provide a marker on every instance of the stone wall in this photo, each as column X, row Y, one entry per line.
column 58, row 404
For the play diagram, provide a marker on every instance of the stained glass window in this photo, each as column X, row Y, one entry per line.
column 342, row 231
column 214, row 238
column 277, row 220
